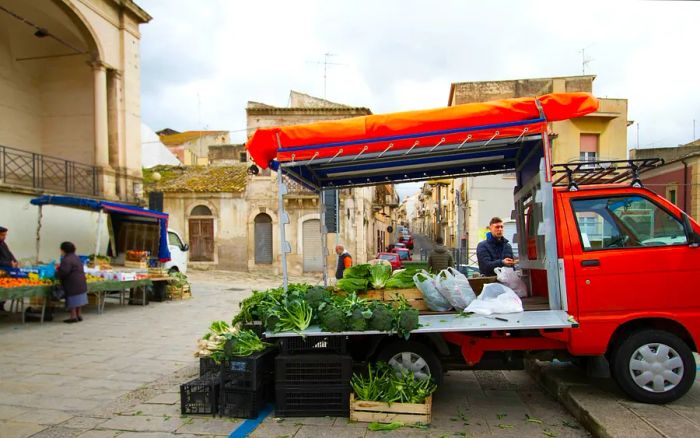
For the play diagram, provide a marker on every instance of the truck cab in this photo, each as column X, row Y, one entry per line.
column 179, row 253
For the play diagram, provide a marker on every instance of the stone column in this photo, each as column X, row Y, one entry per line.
column 105, row 173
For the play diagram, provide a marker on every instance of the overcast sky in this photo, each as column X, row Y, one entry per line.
column 202, row 61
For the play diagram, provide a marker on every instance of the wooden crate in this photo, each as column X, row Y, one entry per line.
column 178, row 293
column 407, row 413
column 477, row 283
column 135, row 265
column 412, row 295
column 372, row 295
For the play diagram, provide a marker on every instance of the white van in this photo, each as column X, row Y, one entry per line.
column 178, row 253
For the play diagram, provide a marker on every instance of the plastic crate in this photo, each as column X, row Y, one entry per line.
column 249, row 372
column 298, row 344
column 319, row 369
column 207, row 367
column 199, row 396
column 312, row 401
column 240, row 403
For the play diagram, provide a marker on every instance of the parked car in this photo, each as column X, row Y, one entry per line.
column 399, row 245
column 392, row 258
column 404, row 253
column 407, row 240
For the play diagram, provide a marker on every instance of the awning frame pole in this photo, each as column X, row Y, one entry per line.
column 282, row 219
column 324, row 235
column 98, row 238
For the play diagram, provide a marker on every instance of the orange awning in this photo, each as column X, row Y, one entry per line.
column 416, row 129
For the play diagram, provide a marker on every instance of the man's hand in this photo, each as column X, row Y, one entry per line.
column 508, row 261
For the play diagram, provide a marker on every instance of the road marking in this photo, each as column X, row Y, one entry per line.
column 248, row 426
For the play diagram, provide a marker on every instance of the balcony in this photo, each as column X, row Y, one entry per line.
column 41, row 172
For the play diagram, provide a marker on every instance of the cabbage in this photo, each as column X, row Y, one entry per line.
column 357, row 271
column 401, row 279
column 379, row 275
column 353, row 284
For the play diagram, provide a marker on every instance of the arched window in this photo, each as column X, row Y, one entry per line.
column 201, row 210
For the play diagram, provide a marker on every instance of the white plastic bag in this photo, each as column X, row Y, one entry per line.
column 495, row 298
column 426, row 284
column 510, row 278
column 455, row 287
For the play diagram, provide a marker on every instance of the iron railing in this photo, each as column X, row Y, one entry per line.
column 29, row 169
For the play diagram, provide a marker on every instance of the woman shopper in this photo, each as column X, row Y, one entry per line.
column 70, row 273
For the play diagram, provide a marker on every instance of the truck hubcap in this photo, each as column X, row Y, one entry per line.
column 656, row 367
column 412, row 362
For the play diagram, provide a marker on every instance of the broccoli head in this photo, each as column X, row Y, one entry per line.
column 316, row 295
column 382, row 317
column 407, row 321
column 358, row 320
column 332, row 319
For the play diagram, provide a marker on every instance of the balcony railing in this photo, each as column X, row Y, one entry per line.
column 28, row 169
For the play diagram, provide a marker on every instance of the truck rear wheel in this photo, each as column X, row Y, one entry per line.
column 414, row 357
column 653, row 366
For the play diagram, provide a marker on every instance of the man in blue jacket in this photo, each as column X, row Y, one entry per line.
column 495, row 251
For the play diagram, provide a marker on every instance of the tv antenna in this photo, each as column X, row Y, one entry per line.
column 327, row 63
column 584, row 61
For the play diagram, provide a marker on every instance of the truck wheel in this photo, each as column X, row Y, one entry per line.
column 653, row 366
column 412, row 356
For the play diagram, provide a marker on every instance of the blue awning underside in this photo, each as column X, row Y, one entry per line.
column 444, row 161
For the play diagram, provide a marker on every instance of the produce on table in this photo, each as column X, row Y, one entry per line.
column 93, row 278
column 357, row 271
column 389, row 385
column 9, row 282
column 401, row 279
column 223, row 341
column 101, row 262
column 407, row 318
column 134, row 255
column 353, row 284
column 382, row 317
column 332, row 318
column 379, row 275
column 317, row 295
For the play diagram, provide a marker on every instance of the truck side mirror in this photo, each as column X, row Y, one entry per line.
column 690, row 234
column 185, row 247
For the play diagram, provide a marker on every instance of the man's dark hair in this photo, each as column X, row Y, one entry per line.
column 439, row 240
column 3, row 230
column 68, row 247
column 495, row 220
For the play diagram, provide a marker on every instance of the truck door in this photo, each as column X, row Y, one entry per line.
column 630, row 255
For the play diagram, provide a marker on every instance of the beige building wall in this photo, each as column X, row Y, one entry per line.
column 84, row 107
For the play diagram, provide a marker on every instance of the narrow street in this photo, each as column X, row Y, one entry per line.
column 118, row 374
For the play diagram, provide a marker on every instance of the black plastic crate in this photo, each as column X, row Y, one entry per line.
column 249, row 372
column 258, row 329
column 199, row 396
column 240, row 403
column 312, row 401
column 316, row 344
column 318, row 369
column 207, row 367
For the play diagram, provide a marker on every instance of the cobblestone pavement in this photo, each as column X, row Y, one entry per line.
column 118, row 374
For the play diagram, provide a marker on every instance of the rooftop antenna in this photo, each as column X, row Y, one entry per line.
column 326, row 62
column 584, row 61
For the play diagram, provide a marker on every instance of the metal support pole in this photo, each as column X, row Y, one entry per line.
column 324, row 235
column 98, row 238
column 284, row 245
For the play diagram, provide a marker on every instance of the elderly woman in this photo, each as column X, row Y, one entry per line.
column 70, row 273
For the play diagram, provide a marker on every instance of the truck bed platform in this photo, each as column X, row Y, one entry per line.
column 529, row 320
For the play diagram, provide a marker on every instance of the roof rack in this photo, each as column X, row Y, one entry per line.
column 579, row 173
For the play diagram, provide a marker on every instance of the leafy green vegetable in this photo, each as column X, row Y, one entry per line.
column 375, row 427
column 358, row 320
column 243, row 343
column 379, row 275
column 407, row 318
column 357, row 271
column 353, row 284
column 296, row 317
column 332, row 319
column 401, row 279
column 317, row 295
column 386, row 384
column 382, row 317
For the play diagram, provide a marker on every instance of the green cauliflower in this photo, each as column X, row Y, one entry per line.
column 317, row 295
column 407, row 320
column 358, row 319
column 382, row 317
column 332, row 318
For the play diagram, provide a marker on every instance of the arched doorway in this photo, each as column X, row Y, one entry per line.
column 312, row 249
column 263, row 239
column 201, row 226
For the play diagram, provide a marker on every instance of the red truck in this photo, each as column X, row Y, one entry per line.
column 611, row 267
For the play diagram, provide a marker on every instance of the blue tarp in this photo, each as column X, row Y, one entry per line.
column 114, row 208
